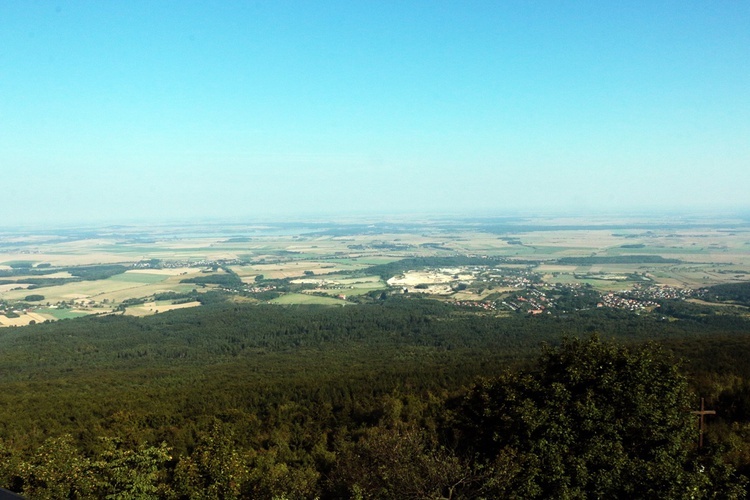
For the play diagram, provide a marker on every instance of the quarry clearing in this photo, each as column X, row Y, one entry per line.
column 433, row 277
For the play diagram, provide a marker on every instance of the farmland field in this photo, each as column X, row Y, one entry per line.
column 129, row 269
column 303, row 298
column 156, row 307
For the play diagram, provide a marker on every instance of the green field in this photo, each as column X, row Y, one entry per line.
column 365, row 261
column 62, row 313
column 303, row 298
column 135, row 277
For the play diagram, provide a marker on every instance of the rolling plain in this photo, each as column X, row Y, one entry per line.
column 147, row 270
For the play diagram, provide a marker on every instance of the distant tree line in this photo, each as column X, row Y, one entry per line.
column 617, row 259
column 729, row 292
column 79, row 273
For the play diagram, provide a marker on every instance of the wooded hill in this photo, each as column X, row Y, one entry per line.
column 380, row 400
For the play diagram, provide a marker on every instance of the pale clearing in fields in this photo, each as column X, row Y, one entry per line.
column 413, row 278
column 151, row 308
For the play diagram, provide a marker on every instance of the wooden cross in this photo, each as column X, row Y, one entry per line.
column 701, row 425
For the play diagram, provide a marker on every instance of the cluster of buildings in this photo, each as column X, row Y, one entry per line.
column 485, row 305
column 259, row 289
column 660, row 292
column 176, row 264
column 522, row 279
column 618, row 302
column 534, row 299
column 534, row 302
column 644, row 296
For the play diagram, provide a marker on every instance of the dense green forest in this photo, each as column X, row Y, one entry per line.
column 733, row 292
column 402, row 398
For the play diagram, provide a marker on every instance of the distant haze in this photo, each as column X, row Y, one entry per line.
column 113, row 111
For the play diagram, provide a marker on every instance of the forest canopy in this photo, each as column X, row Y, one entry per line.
column 311, row 402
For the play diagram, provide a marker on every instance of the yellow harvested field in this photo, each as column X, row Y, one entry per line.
column 77, row 290
column 177, row 271
column 64, row 260
column 150, row 308
column 59, row 275
column 13, row 286
column 145, row 291
column 290, row 269
column 112, row 290
column 23, row 319
column 574, row 239
column 189, row 244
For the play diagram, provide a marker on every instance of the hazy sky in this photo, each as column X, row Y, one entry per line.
column 147, row 109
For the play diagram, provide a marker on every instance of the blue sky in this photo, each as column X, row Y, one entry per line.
column 162, row 110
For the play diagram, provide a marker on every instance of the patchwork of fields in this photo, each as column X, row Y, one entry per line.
column 165, row 267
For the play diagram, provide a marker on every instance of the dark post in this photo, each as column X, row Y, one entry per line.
column 701, row 425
